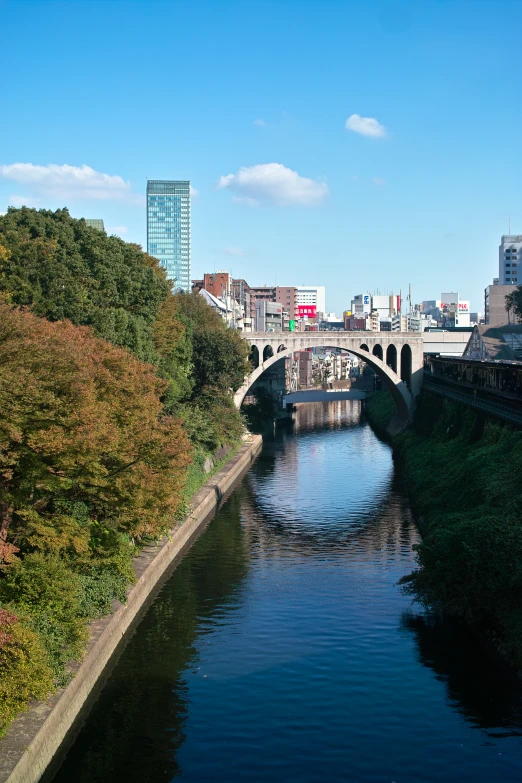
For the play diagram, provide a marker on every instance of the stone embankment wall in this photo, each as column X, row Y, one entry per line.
column 36, row 735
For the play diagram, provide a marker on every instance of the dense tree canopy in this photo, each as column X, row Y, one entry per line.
column 81, row 421
column 64, row 268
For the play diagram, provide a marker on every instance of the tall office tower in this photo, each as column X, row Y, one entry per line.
column 168, row 228
column 510, row 259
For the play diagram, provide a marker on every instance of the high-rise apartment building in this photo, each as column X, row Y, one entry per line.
column 510, row 260
column 265, row 293
column 168, row 228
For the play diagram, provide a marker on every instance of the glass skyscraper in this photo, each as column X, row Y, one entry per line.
column 168, row 228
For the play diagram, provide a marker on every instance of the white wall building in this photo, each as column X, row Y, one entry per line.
column 510, row 259
column 362, row 304
column 230, row 311
column 386, row 305
column 312, row 295
column 449, row 311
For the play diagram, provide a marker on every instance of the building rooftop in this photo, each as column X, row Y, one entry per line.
column 501, row 342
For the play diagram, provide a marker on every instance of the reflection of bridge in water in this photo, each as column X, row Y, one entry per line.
column 281, row 510
column 323, row 395
column 396, row 357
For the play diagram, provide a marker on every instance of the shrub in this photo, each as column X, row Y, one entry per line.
column 46, row 592
column 99, row 588
column 24, row 670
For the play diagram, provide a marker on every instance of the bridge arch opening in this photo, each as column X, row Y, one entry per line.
column 254, row 357
column 377, row 351
column 398, row 390
column 281, row 348
column 391, row 357
column 406, row 365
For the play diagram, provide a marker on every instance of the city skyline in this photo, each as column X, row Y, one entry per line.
column 325, row 165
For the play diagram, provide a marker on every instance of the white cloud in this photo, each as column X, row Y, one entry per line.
column 117, row 230
column 23, row 201
column 366, row 126
column 251, row 202
column 193, row 192
column 235, row 251
column 379, row 181
column 69, row 182
column 273, row 183
column 261, row 123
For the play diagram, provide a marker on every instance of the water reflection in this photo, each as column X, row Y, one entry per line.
column 488, row 697
column 139, row 722
column 282, row 649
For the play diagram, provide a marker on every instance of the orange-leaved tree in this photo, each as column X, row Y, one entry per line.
column 81, row 427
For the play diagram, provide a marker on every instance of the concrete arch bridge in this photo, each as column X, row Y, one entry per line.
column 396, row 357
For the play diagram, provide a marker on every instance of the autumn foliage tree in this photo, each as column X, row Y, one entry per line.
column 83, row 438
column 63, row 269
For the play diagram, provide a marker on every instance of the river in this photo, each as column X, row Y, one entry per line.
column 281, row 648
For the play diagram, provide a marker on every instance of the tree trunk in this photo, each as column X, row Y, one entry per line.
column 5, row 519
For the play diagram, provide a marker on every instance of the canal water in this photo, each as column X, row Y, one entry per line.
column 281, row 648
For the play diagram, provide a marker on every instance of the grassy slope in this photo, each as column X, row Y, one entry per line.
column 464, row 472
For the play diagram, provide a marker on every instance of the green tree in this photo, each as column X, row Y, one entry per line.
column 63, row 268
column 219, row 354
column 514, row 303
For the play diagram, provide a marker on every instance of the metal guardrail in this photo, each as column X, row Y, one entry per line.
column 506, row 412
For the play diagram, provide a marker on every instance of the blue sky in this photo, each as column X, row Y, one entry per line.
column 216, row 92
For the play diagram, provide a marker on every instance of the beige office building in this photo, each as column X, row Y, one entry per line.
column 495, row 312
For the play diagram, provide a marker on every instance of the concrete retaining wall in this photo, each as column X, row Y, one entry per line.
column 36, row 735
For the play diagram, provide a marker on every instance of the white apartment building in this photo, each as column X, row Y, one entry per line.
column 510, row 259
column 411, row 322
column 312, row 295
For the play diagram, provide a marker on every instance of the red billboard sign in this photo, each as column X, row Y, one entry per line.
column 306, row 311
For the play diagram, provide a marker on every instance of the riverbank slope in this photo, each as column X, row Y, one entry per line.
column 463, row 470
